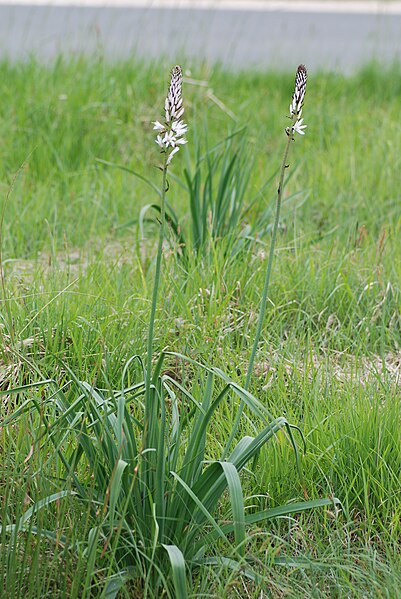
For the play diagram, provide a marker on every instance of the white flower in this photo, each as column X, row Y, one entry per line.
column 159, row 141
column 158, row 126
column 179, row 128
column 169, row 139
column 298, row 127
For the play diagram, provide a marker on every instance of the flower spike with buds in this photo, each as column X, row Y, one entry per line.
column 170, row 135
column 297, row 102
column 169, row 138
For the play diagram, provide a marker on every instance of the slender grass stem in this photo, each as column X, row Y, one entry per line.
column 265, row 291
column 148, row 464
column 156, row 282
column 296, row 126
column 266, row 284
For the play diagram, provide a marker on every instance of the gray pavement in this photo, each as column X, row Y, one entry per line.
column 269, row 37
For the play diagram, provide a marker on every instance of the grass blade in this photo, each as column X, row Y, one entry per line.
column 237, row 504
column 177, row 562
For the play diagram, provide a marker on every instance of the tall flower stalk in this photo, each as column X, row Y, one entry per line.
column 170, row 136
column 297, row 126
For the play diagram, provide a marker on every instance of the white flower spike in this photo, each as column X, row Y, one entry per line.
column 297, row 102
column 170, row 134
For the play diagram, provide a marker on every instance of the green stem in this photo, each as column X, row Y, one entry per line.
column 269, row 267
column 150, row 430
column 265, row 291
column 156, row 284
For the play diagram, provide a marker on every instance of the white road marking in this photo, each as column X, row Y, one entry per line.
column 386, row 7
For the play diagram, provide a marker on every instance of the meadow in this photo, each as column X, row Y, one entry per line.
column 79, row 224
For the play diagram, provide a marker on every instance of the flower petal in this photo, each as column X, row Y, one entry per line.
column 158, row 126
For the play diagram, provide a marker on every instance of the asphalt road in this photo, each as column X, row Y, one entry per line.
column 237, row 37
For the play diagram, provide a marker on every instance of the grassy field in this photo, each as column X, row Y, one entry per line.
column 78, row 256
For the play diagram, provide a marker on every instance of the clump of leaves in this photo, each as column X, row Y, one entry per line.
column 153, row 492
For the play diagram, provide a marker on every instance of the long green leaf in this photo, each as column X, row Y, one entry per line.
column 115, row 489
column 177, row 562
column 290, row 508
column 237, row 504
column 276, row 512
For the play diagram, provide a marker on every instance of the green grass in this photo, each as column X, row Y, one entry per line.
column 78, row 280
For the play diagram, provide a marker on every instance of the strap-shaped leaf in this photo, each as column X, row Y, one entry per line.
column 276, row 512
column 237, row 503
column 177, row 562
column 115, row 488
column 290, row 508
